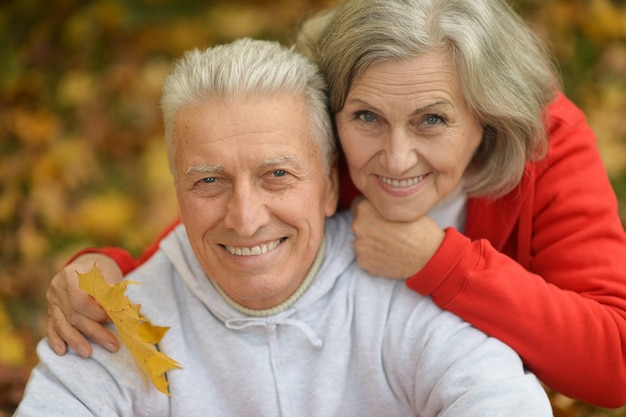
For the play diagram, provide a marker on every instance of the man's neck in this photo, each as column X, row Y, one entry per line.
column 306, row 283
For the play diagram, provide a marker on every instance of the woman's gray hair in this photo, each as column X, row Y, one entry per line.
column 506, row 73
column 247, row 68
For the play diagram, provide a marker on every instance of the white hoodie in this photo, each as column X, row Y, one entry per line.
column 352, row 345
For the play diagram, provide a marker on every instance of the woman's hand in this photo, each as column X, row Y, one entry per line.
column 392, row 249
column 73, row 314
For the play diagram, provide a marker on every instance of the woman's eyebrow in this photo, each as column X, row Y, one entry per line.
column 428, row 107
column 419, row 110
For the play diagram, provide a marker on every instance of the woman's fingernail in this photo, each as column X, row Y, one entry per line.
column 83, row 351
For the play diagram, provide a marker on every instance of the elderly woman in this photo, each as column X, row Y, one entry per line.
column 482, row 186
column 441, row 108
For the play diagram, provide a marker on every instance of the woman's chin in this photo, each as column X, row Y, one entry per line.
column 399, row 213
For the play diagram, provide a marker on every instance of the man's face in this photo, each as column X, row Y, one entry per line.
column 253, row 194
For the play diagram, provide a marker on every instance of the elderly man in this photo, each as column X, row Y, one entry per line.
column 268, row 311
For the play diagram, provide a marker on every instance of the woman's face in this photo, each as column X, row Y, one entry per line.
column 408, row 134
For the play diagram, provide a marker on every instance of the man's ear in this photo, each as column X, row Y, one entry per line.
column 332, row 189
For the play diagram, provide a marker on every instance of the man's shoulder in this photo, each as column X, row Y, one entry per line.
column 174, row 250
column 155, row 282
column 338, row 228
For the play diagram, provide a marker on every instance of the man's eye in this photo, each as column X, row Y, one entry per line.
column 279, row 173
column 208, row 180
column 366, row 116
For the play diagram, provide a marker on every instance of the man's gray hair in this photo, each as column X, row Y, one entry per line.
column 506, row 73
column 247, row 68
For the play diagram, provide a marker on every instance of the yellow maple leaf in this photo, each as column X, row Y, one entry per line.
column 137, row 333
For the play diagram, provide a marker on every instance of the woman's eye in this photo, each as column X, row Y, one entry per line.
column 366, row 116
column 433, row 119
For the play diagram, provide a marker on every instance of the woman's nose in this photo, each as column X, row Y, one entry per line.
column 399, row 153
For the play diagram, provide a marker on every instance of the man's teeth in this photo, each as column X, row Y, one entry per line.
column 254, row 250
column 402, row 183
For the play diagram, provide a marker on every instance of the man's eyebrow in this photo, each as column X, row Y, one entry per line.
column 277, row 161
column 214, row 169
column 203, row 169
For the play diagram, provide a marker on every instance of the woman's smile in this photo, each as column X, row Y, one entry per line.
column 402, row 187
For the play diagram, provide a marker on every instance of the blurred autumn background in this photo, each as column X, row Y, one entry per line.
column 81, row 156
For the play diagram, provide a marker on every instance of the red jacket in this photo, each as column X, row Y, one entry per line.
column 542, row 269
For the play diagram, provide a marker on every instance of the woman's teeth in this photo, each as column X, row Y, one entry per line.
column 402, row 183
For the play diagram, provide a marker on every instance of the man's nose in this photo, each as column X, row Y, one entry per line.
column 247, row 210
column 399, row 153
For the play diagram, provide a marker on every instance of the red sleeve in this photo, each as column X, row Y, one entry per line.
column 566, row 314
column 123, row 258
